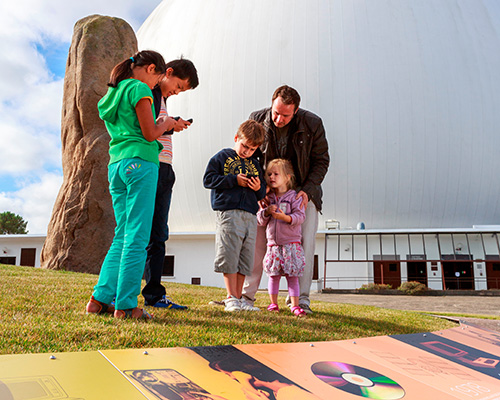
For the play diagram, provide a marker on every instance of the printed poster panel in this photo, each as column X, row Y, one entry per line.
column 452, row 364
column 256, row 379
column 343, row 370
column 480, row 339
column 439, row 373
column 70, row 376
column 219, row 373
column 459, row 353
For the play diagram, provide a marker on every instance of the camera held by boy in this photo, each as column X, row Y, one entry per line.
column 237, row 184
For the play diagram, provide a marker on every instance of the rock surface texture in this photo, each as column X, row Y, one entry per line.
column 82, row 224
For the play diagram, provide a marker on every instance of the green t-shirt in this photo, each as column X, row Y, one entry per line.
column 117, row 110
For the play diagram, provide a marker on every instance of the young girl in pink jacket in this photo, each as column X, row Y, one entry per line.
column 283, row 218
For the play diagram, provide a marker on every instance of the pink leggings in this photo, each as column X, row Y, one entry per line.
column 293, row 285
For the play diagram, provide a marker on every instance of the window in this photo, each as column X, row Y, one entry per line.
column 8, row 260
column 168, row 265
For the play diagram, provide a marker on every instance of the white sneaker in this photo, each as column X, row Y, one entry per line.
column 232, row 304
column 246, row 306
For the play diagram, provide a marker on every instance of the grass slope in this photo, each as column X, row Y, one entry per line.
column 44, row 311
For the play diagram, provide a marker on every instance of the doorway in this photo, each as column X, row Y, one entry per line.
column 387, row 272
column 417, row 271
column 28, row 257
column 458, row 272
column 493, row 272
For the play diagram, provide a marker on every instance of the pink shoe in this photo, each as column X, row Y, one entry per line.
column 273, row 307
column 298, row 312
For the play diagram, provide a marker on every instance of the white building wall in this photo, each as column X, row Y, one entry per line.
column 407, row 89
column 11, row 246
column 194, row 255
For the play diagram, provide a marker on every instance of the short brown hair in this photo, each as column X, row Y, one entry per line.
column 288, row 94
column 252, row 131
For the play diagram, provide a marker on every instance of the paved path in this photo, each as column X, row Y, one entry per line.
column 478, row 305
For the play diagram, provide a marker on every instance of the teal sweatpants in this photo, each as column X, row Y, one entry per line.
column 132, row 184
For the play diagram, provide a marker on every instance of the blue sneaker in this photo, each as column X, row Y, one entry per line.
column 165, row 302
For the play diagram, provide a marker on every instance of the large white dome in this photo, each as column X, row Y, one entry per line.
column 408, row 90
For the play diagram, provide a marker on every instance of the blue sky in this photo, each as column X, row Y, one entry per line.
column 34, row 40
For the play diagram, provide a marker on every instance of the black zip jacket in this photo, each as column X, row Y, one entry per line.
column 307, row 150
column 226, row 194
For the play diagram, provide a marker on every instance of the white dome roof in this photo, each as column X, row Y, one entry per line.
column 408, row 90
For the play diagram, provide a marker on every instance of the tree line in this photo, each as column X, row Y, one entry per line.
column 12, row 224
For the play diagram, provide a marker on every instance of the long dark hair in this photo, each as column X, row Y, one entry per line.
column 123, row 70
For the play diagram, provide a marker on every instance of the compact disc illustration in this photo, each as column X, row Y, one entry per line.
column 357, row 380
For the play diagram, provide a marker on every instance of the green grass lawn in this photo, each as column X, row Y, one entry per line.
column 44, row 311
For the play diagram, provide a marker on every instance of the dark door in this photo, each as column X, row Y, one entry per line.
column 493, row 274
column 417, row 271
column 28, row 257
column 387, row 272
column 458, row 275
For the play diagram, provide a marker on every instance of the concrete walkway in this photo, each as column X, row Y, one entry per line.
column 478, row 305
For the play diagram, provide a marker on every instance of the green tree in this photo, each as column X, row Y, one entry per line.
column 12, row 224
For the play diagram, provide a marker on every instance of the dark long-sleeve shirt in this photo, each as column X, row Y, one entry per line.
column 220, row 177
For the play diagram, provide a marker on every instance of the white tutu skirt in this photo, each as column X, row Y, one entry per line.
column 287, row 259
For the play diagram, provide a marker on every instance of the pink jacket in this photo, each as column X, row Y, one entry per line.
column 279, row 232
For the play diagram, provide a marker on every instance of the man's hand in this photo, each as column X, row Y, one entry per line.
column 304, row 197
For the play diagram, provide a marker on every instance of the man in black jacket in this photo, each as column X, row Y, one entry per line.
column 299, row 136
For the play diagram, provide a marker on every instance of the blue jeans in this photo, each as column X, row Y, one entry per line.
column 154, row 290
column 132, row 184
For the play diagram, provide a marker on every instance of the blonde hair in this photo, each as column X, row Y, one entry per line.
column 285, row 168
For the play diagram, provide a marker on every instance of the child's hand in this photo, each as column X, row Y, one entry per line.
column 242, row 180
column 181, row 124
column 254, row 183
column 264, row 202
column 270, row 210
column 166, row 123
column 278, row 214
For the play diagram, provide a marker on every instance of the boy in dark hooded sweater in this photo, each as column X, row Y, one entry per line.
column 237, row 183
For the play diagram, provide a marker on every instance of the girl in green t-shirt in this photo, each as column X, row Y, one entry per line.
column 127, row 111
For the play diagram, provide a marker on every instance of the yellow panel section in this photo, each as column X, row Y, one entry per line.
column 68, row 376
column 175, row 373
